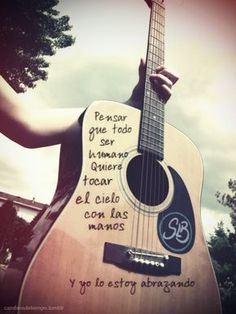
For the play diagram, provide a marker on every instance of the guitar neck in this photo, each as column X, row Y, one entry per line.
column 151, row 137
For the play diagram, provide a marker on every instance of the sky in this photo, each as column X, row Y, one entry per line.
column 111, row 38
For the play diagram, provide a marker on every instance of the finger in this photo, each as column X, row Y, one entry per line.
column 171, row 76
column 165, row 92
column 141, row 69
column 160, row 79
column 159, row 68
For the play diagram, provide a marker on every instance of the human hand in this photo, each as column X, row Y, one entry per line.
column 162, row 81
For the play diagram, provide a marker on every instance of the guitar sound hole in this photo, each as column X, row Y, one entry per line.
column 147, row 180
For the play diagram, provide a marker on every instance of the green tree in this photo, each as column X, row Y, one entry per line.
column 7, row 218
column 30, row 30
column 13, row 231
column 222, row 247
column 229, row 200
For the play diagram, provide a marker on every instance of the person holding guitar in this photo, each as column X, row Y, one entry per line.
column 123, row 232
column 34, row 128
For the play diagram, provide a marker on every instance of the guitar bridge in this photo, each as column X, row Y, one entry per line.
column 141, row 261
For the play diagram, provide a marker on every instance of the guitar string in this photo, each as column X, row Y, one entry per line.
column 155, row 199
column 151, row 161
column 149, row 191
column 144, row 196
column 140, row 199
column 150, row 196
column 138, row 208
column 162, row 17
column 146, row 163
column 152, row 192
column 159, row 189
column 155, row 192
column 148, row 157
column 143, row 158
column 152, row 186
column 141, row 205
column 161, row 62
column 132, row 240
column 136, row 216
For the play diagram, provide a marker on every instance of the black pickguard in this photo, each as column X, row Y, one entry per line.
column 176, row 225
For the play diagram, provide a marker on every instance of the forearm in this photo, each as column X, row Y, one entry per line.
column 48, row 126
column 40, row 128
column 32, row 127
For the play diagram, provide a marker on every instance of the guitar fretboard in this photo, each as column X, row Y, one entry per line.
column 151, row 138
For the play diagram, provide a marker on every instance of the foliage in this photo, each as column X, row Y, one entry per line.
column 229, row 200
column 13, row 231
column 222, row 247
column 29, row 30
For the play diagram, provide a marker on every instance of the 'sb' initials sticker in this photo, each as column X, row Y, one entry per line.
column 175, row 232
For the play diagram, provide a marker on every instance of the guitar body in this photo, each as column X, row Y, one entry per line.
column 113, row 250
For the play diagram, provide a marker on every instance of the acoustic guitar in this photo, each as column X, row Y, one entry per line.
column 123, row 233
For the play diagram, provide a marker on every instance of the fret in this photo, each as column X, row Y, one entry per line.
column 158, row 20
column 151, row 64
column 153, row 106
column 151, row 137
column 156, row 52
column 157, row 36
column 155, row 42
column 154, row 111
column 153, row 140
column 153, row 120
column 159, row 9
column 156, row 56
column 158, row 14
column 146, row 145
column 152, row 146
column 158, row 154
column 156, row 45
column 153, row 61
column 153, row 128
column 150, row 94
column 159, row 28
column 153, row 102
column 159, row 140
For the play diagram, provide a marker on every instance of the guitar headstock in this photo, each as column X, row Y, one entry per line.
column 149, row 2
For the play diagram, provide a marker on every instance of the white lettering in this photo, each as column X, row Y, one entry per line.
column 180, row 231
